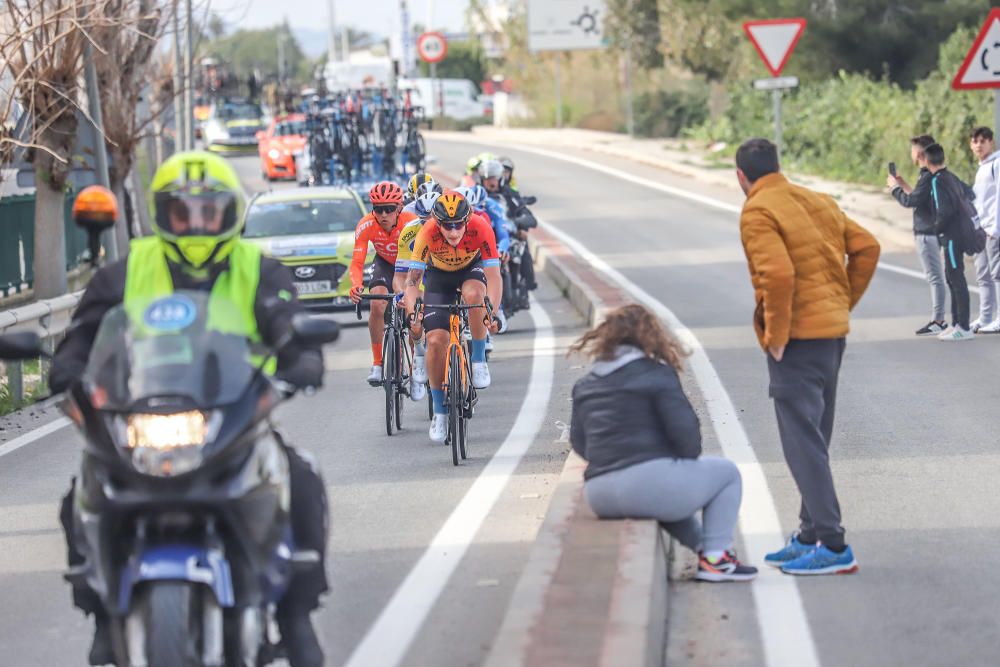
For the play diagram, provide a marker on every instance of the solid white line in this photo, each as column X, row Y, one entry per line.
column 784, row 628
column 389, row 638
column 670, row 190
column 32, row 436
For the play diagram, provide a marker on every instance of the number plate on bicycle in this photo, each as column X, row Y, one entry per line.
column 313, row 287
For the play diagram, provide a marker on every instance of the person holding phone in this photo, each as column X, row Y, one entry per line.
column 929, row 250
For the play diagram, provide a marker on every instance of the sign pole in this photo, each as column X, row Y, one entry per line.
column 776, row 95
column 996, row 109
column 559, row 118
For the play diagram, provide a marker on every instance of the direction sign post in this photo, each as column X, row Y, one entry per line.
column 775, row 39
column 981, row 68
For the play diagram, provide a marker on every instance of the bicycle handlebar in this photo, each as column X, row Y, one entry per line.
column 374, row 297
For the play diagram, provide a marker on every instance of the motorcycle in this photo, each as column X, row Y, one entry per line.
column 515, row 283
column 182, row 506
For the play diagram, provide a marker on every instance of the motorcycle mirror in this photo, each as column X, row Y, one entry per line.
column 21, row 346
column 530, row 201
column 314, row 331
column 95, row 210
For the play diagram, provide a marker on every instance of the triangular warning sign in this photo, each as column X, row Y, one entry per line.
column 981, row 68
column 775, row 39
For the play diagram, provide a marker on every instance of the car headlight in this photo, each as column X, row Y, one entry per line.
column 274, row 154
column 169, row 445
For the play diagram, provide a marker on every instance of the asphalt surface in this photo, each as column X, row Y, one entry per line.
column 914, row 457
column 389, row 497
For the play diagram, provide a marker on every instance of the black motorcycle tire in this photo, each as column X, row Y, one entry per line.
column 173, row 626
column 509, row 303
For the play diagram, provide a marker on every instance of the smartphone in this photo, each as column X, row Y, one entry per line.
column 892, row 168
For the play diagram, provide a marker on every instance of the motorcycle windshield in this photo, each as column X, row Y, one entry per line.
column 174, row 351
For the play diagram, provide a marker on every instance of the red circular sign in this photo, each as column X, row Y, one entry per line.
column 432, row 47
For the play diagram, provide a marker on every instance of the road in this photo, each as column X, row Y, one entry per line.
column 389, row 498
column 913, row 458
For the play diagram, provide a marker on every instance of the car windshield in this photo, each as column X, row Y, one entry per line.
column 240, row 112
column 188, row 347
column 316, row 216
column 289, row 128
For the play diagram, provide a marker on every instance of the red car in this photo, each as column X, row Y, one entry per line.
column 279, row 144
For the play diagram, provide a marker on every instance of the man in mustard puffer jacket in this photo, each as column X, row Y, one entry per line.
column 796, row 242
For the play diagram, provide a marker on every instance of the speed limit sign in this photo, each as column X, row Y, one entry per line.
column 432, row 47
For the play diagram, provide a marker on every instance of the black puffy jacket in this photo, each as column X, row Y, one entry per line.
column 631, row 410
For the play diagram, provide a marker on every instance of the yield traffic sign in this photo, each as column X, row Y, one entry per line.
column 775, row 39
column 432, row 47
column 981, row 68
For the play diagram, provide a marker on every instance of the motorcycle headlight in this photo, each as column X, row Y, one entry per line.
column 169, row 445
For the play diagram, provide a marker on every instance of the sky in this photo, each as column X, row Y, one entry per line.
column 376, row 16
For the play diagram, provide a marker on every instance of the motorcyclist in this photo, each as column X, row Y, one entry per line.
column 471, row 176
column 498, row 179
column 197, row 210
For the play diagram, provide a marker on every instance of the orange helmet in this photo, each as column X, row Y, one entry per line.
column 384, row 193
column 451, row 207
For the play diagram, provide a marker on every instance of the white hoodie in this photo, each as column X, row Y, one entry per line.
column 986, row 193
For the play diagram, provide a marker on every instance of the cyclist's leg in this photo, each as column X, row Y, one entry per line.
column 474, row 291
column 441, row 288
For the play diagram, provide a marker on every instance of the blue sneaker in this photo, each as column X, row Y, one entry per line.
column 822, row 561
column 794, row 549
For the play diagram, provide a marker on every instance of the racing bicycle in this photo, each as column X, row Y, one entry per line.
column 397, row 363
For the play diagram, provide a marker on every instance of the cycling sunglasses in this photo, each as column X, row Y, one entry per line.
column 384, row 210
column 452, row 226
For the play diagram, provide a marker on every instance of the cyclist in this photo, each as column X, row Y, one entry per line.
column 458, row 252
column 498, row 179
column 481, row 203
column 414, row 183
column 471, row 176
column 422, row 207
column 422, row 189
column 381, row 228
column 197, row 208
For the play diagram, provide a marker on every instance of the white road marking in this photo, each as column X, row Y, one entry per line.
column 784, row 628
column 389, row 638
column 32, row 436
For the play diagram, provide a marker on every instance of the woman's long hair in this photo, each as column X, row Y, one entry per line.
column 632, row 325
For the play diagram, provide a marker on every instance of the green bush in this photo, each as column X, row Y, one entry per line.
column 664, row 113
column 849, row 127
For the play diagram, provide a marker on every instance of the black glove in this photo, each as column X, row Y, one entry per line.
column 305, row 370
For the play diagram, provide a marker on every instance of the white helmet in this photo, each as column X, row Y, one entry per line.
column 491, row 169
column 424, row 204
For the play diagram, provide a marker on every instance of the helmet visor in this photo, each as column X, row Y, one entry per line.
column 205, row 214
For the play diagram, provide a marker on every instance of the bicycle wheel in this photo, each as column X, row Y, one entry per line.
column 389, row 379
column 455, row 400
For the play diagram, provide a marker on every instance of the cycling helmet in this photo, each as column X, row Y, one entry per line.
column 506, row 163
column 477, row 196
column 416, row 181
column 385, row 193
column 451, row 207
column 197, row 208
column 424, row 203
column 429, row 186
column 473, row 164
column 491, row 169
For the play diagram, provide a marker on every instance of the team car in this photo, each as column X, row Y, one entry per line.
column 232, row 127
column 311, row 231
column 280, row 144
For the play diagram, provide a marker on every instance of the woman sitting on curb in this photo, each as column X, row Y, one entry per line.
column 636, row 429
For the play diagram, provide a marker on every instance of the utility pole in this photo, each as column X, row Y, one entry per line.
column 332, row 36
column 178, row 82
column 281, row 59
column 100, row 147
column 189, row 76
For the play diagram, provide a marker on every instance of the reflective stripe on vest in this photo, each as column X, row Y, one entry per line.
column 147, row 278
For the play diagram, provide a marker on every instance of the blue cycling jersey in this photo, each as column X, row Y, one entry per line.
column 495, row 213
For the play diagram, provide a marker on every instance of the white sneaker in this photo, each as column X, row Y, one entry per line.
column 946, row 333
column 991, row 328
column 418, row 390
column 419, row 369
column 439, row 428
column 975, row 326
column 958, row 334
column 375, row 377
column 480, row 375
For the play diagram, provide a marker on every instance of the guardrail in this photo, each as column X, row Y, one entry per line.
column 50, row 319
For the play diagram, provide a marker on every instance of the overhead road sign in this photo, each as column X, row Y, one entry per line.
column 565, row 25
column 775, row 39
column 432, row 47
column 981, row 68
column 776, row 83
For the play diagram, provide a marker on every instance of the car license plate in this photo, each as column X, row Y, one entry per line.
column 313, row 287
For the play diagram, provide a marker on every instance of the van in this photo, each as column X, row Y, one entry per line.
column 461, row 98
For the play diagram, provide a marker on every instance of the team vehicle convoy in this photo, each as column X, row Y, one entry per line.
column 232, row 126
column 279, row 146
column 310, row 230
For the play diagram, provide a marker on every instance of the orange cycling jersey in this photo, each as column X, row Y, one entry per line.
column 431, row 248
column 386, row 243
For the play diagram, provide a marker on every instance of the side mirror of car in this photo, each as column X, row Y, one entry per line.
column 21, row 346
column 95, row 210
column 314, row 331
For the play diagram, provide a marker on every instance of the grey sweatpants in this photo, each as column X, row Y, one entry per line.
column 929, row 250
column 804, row 389
column 988, row 279
column 673, row 491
